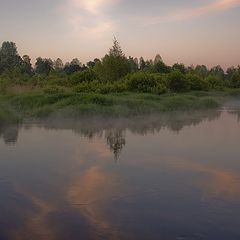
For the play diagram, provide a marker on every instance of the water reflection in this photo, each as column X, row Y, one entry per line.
column 178, row 178
column 114, row 130
column 9, row 133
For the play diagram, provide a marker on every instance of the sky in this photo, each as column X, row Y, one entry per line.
column 184, row 31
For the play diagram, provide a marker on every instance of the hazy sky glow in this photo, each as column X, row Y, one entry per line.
column 188, row 31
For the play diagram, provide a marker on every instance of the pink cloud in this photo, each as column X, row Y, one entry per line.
column 186, row 14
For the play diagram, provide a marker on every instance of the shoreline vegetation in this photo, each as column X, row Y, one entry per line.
column 115, row 85
column 19, row 107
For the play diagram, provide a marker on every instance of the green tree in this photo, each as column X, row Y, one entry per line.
column 142, row 63
column 149, row 66
column 201, row 71
column 114, row 65
column 9, row 57
column 217, row 71
column 157, row 59
column 179, row 67
column 160, row 66
column 92, row 64
column 26, row 66
column 72, row 67
column 58, row 64
column 43, row 66
column 133, row 63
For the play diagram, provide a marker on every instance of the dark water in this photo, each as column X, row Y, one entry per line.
column 169, row 176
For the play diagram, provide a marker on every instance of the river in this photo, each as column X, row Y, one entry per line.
column 170, row 176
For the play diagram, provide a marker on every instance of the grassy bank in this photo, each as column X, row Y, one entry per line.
column 38, row 105
column 8, row 115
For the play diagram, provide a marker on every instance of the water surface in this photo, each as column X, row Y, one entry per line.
column 167, row 176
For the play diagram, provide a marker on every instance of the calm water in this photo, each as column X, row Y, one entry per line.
column 170, row 176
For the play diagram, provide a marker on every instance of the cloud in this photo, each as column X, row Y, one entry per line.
column 88, row 18
column 190, row 13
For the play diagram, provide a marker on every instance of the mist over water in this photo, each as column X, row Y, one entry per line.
column 165, row 176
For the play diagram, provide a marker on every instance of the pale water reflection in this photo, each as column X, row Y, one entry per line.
column 167, row 176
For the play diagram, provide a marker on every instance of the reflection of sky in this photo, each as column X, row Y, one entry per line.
column 59, row 184
column 199, row 31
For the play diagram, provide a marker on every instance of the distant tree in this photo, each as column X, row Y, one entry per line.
column 149, row 65
column 133, row 64
column 116, row 50
column 114, row 65
column 76, row 61
column 191, row 69
column 26, row 59
column 217, row 71
column 157, row 59
column 142, row 63
column 160, row 66
column 96, row 60
column 230, row 71
column 201, row 71
column 9, row 57
column 58, row 64
column 26, row 66
column 43, row 66
column 84, row 67
column 179, row 67
column 73, row 66
column 92, row 64
column 136, row 62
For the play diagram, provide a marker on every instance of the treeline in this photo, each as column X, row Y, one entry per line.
column 113, row 73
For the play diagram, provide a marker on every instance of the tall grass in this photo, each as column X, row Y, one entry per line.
column 121, row 104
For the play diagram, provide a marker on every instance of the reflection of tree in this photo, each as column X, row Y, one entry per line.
column 115, row 128
column 116, row 141
column 236, row 113
column 9, row 133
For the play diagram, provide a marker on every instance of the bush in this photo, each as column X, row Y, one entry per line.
column 177, row 82
column 117, row 87
column 102, row 88
column 215, row 82
column 84, row 76
column 143, row 82
column 162, row 84
column 235, row 80
column 196, row 82
column 86, row 87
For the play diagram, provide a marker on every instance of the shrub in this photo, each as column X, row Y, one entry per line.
column 215, row 82
column 117, row 87
column 86, row 87
column 235, row 80
column 196, row 82
column 84, row 76
column 141, row 82
column 160, row 88
column 177, row 82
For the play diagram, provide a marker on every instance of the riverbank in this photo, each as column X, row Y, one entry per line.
column 18, row 107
